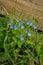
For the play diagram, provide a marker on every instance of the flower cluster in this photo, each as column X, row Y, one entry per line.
column 21, row 25
column 13, row 27
column 30, row 24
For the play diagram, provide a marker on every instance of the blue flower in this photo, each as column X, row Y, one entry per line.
column 28, row 22
column 31, row 24
column 11, row 26
column 29, row 34
column 15, row 27
column 22, row 27
column 20, row 23
column 21, row 37
column 34, row 26
column 10, row 22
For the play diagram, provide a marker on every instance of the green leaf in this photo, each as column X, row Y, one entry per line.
column 19, row 44
column 30, row 42
column 38, row 49
column 1, row 29
column 41, row 56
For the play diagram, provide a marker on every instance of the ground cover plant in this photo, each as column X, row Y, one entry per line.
column 21, row 43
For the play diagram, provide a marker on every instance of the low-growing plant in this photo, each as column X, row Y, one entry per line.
column 20, row 42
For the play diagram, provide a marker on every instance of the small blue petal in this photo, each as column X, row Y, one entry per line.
column 34, row 26
column 31, row 24
column 10, row 22
column 11, row 27
column 15, row 27
column 22, row 38
column 28, row 22
column 22, row 27
column 20, row 23
column 29, row 34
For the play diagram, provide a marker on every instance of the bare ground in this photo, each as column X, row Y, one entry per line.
column 26, row 8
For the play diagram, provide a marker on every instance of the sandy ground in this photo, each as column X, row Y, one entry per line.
column 26, row 8
column 38, row 3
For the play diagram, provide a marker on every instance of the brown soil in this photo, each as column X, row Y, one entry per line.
column 35, row 8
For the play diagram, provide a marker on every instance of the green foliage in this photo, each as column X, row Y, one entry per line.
column 20, row 42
